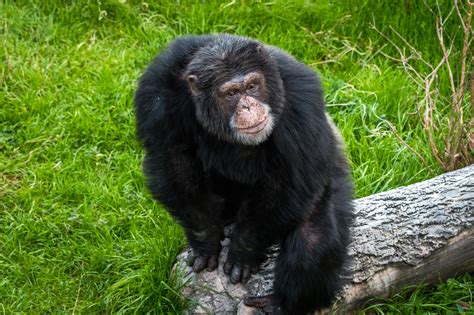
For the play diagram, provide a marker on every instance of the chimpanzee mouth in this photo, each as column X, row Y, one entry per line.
column 256, row 128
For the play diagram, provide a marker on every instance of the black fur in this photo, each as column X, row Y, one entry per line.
column 294, row 188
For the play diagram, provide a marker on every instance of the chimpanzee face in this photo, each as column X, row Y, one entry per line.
column 236, row 90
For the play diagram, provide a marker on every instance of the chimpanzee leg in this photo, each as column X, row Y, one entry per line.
column 308, row 270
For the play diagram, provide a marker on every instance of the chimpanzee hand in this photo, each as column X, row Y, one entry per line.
column 199, row 262
column 242, row 261
column 206, row 246
column 239, row 272
column 266, row 303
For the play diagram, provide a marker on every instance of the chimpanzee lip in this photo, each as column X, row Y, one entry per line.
column 256, row 128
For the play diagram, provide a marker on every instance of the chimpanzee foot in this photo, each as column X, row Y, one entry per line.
column 238, row 272
column 199, row 262
column 266, row 303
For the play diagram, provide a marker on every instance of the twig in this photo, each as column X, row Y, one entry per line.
column 403, row 59
column 417, row 53
column 464, row 51
column 422, row 159
column 458, row 12
column 457, row 139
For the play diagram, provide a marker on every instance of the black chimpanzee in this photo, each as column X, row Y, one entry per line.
column 235, row 131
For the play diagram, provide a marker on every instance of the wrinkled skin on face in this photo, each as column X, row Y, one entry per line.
column 242, row 100
column 245, row 96
column 236, row 89
column 250, row 115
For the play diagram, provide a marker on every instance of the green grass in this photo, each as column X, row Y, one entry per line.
column 451, row 297
column 78, row 232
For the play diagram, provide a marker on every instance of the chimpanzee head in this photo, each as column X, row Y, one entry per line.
column 237, row 90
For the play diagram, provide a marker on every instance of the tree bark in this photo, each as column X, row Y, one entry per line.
column 422, row 233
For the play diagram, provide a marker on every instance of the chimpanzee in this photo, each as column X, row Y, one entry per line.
column 235, row 131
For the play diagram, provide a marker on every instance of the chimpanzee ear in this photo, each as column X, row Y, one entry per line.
column 260, row 49
column 192, row 81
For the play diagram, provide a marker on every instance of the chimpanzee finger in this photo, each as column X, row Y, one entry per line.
column 212, row 263
column 236, row 273
column 257, row 301
column 200, row 263
column 246, row 274
column 227, row 267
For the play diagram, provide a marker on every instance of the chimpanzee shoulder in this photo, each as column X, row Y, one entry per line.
column 162, row 101
column 304, row 133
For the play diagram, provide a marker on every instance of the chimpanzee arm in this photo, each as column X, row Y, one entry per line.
column 178, row 182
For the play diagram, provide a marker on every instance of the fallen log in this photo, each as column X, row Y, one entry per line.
column 422, row 233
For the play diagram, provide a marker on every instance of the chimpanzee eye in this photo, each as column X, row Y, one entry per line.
column 230, row 93
column 251, row 87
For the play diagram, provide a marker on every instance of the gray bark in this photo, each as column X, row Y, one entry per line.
column 422, row 233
